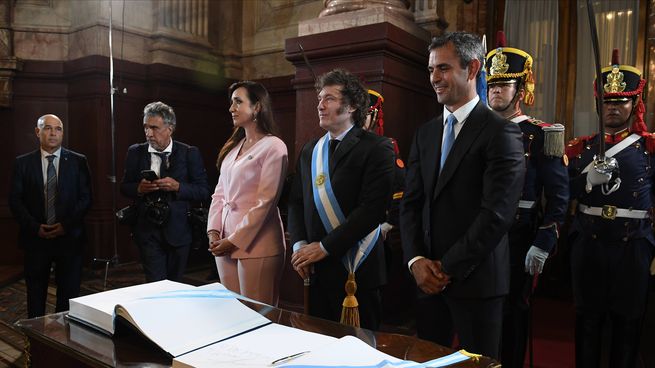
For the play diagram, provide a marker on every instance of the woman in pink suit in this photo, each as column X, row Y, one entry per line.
column 244, row 226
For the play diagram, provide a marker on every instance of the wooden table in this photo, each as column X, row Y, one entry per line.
column 56, row 341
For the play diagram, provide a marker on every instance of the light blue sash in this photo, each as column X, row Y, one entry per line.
column 329, row 209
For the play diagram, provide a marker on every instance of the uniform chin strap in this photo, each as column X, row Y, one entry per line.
column 513, row 102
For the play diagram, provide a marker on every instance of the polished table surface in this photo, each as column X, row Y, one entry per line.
column 55, row 338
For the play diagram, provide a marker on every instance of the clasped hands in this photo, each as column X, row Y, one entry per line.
column 166, row 184
column 51, row 231
column 429, row 276
column 219, row 247
column 303, row 259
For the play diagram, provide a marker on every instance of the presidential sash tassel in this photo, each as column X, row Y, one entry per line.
column 474, row 357
column 350, row 310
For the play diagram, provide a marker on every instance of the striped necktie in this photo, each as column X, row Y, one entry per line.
column 448, row 139
column 51, row 191
column 165, row 164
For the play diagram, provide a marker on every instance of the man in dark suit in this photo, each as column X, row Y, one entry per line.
column 464, row 177
column 358, row 179
column 162, row 230
column 50, row 195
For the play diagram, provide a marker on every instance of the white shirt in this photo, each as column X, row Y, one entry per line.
column 461, row 115
column 44, row 164
column 155, row 160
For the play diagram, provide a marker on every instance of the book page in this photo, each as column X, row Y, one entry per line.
column 347, row 351
column 258, row 348
column 185, row 320
column 97, row 310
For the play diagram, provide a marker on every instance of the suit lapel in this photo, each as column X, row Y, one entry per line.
column 63, row 178
column 469, row 133
column 145, row 157
column 348, row 143
column 38, row 166
column 433, row 152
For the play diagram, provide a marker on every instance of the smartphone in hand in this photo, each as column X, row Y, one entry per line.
column 149, row 175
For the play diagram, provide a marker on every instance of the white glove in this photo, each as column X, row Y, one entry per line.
column 534, row 260
column 596, row 178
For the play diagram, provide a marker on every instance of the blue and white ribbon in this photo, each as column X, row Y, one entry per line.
column 447, row 360
column 328, row 207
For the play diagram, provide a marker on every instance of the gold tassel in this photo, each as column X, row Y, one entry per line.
column 529, row 85
column 474, row 357
column 349, row 310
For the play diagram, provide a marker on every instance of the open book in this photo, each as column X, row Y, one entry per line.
column 286, row 347
column 176, row 317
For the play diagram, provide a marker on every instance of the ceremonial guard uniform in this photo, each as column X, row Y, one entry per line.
column 375, row 123
column 535, row 232
column 612, row 239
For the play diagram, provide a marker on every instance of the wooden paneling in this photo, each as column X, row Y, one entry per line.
column 388, row 59
column 78, row 92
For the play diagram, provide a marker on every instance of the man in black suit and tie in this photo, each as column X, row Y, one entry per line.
column 50, row 195
column 340, row 195
column 162, row 199
column 464, row 178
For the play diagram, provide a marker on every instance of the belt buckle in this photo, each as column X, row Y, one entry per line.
column 608, row 212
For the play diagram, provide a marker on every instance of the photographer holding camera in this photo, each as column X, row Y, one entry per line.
column 163, row 176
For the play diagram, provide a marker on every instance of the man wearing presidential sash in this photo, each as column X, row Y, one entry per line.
column 339, row 197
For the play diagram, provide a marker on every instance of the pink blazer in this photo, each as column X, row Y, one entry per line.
column 244, row 204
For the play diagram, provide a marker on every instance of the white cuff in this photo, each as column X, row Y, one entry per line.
column 299, row 244
column 411, row 262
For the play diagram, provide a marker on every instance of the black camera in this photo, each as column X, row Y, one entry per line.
column 157, row 211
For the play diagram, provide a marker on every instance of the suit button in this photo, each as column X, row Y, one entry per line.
column 625, row 239
column 593, row 236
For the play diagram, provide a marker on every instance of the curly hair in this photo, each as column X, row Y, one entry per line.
column 162, row 110
column 353, row 92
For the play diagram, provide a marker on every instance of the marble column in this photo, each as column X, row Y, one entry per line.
column 400, row 7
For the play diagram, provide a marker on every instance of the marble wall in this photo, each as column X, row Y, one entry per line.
column 238, row 39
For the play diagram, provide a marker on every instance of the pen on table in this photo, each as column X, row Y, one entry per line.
column 288, row 358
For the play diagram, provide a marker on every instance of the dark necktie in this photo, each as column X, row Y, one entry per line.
column 163, row 167
column 333, row 145
column 51, row 191
column 448, row 138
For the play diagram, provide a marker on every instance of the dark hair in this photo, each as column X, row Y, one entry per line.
column 257, row 93
column 162, row 110
column 467, row 46
column 353, row 92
